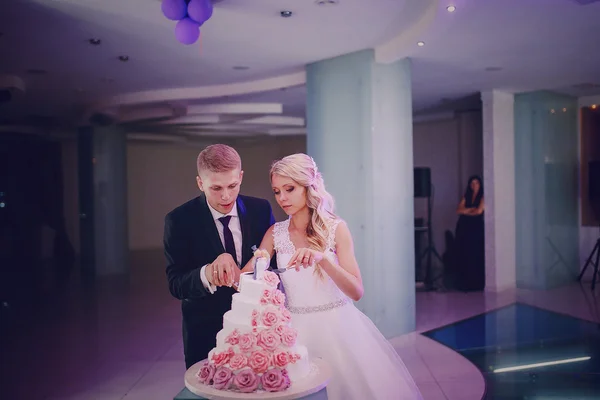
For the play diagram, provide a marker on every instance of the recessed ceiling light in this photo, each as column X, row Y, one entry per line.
column 420, row 43
column 241, row 67
column 286, row 13
column 327, row 2
column 124, row 58
column 451, row 9
column 95, row 41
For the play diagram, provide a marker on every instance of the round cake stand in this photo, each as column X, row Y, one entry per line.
column 317, row 379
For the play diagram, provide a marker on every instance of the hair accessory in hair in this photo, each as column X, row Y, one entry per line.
column 315, row 169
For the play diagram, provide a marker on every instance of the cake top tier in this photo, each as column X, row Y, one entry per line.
column 261, row 263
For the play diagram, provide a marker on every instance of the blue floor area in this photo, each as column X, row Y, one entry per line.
column 519, row 335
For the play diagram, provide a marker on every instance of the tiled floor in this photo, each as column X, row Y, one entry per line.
column 522, row 335
column 123, row 340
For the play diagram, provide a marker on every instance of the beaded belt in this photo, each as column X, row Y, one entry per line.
column 314, row 309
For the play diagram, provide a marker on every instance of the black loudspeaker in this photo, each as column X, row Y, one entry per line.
column 422, row 181
column 594, row 186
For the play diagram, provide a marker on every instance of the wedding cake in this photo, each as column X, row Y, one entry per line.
column 257, row 348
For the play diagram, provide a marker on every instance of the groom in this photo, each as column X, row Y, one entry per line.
column 206, row 242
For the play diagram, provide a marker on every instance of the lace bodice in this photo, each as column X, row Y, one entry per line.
column 305, row 291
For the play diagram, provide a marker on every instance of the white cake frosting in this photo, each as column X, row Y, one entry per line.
column 257, row 341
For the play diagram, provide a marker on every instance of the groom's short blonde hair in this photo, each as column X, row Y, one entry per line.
column 218, row 158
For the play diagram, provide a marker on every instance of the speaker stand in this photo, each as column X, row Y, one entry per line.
column 596, row 252
column 430, row 252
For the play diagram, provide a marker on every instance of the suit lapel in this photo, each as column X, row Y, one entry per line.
column 210, row 227
column 245, row 225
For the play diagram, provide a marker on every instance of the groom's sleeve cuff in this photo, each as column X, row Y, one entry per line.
column 207, row 285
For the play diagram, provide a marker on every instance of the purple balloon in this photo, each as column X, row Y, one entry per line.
column 200, row 10
column 187, row 31
column 174, row 9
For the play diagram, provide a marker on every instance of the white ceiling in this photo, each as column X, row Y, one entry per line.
column 539, row 44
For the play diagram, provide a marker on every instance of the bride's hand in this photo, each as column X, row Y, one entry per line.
column 305, row 258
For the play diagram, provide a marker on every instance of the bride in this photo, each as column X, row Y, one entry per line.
column 321, row 290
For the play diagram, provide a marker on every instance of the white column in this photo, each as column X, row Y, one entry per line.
column 110, row 195
column 359, row 119
column 499, row 189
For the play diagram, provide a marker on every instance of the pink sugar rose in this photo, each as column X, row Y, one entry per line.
column 281, row 359
column 247, row 342
column 270, row 318
column 275, row 380
column 206, row 373
column 271, row 278
column 238, row 361
column 259, row 361
column 288, row 337
column 222, row 379
column 268, row 340
column 233, row 338
column 246, row 381
column 255, row 313
column 220, row 359
column 279, row 329
column 278, row 298
column 266, row 297
column 286, row 315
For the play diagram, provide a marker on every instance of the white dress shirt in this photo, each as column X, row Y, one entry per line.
column 236, row 230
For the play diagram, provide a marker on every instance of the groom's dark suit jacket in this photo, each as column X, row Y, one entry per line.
column 191, row 240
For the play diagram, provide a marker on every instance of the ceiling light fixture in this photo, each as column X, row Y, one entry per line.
column 327, row 2
column 285, row 13
column 124, row 58
column 451, row 9
column 420, row 43
column 95, row 41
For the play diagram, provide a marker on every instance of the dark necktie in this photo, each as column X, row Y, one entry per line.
column 228, row 236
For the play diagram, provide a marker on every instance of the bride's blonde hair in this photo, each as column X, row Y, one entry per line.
column 302, row 169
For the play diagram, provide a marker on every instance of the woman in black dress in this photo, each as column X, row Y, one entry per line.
column 470, row 241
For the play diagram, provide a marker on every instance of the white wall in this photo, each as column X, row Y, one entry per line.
column 162, row 176
column 587, row 234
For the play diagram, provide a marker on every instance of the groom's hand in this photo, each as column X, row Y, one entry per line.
column 223, row 271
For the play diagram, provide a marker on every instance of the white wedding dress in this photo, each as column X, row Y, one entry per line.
column 365, row 365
